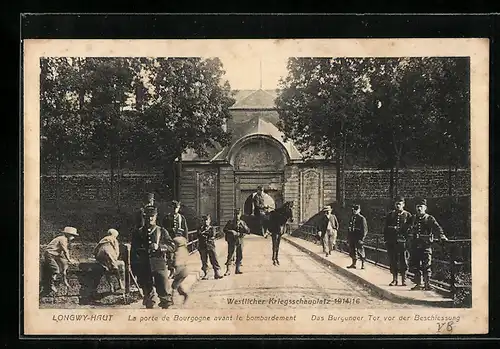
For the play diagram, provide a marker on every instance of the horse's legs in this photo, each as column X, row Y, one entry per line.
column 278, row 240
column 273, row 238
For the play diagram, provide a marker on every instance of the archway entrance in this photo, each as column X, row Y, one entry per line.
column 259, row 161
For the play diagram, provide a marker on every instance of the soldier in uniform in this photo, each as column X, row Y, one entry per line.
column 234, row 232
column 358, row 228
column 206, row 247
column 175, row 223
column 328, row 226
column 397, row 223
column 425, row 230
column 149, row 248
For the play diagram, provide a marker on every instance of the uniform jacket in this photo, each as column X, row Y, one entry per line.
column 260, row 202
column 241, row 229
column 140, row 250
column 323, row 221
column 176, row 227
column 397, row 224
column 358, row 227
column 206, row 237
column 425, row 230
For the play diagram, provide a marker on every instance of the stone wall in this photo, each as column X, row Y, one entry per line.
column 97, row 186
column 373, row 184
column 360, row 184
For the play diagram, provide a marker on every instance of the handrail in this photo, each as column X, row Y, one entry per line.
column 451, row 286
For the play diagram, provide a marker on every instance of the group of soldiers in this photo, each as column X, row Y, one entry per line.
column 401, row 228
column 159, row 253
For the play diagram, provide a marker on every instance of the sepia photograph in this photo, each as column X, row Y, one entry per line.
column 262, row 189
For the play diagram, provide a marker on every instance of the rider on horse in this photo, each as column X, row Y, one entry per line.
column 261, row 203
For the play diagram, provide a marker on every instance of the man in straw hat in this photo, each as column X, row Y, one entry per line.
column 425, row 231
column 148, row 252
column 56, row 260
column 358, row 228
column 397, row 223
column 328, row 226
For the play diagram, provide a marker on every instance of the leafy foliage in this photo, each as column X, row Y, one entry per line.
column 131, row 109
column 392, row 108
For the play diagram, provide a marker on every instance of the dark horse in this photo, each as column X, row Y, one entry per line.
column 275, row 224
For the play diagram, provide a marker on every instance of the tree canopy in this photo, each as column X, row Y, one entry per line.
column 131, row 109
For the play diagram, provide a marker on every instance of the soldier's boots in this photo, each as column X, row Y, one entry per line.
column 427, row 284
column 205, row 275
column 403, row 279
column 394, row 281
column 362, row 264
column 238, row 271
column 353, row 265
column 217, row 275
column 277, row 261
column 227, row 273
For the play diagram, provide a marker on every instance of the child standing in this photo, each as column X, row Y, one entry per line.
column 56, row 260
column 206, row 247
column 181, row 255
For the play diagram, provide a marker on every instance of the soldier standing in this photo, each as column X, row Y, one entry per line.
column 234, row 232
column 358, row 228
column 424, row 228
column 206, row 247
column 397, row 223
column 175, row 223
column 149, row 247
column 328, row 226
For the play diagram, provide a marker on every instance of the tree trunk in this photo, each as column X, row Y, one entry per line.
column 111, row 175
column 396, row 176
column 344, row 151
column 58, row 179
column 118, row 182
column 391, row 183
column 340, row 179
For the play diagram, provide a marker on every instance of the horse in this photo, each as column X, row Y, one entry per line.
column 275, row 224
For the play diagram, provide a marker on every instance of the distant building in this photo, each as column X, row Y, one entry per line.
column 257, row 155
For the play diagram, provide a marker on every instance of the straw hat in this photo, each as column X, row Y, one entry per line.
column 70, row 231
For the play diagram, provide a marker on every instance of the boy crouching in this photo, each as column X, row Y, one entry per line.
column 56, row 260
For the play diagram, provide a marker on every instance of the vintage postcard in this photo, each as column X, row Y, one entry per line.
column 256, row 187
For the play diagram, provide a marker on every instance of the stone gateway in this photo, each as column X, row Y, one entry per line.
column 257, row 156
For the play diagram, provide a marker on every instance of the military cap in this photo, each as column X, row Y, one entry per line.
column 150, row 196
column 327, row 208
column 260, row 187
column 176, row 203
column 399, row 199
column 356, row 207
column 150, row 210
column 205, row 216
column 421, row 202
column 237, row 210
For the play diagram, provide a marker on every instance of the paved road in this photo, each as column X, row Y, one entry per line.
column 299, row 280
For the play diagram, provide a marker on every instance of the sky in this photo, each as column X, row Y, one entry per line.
column 243, row 72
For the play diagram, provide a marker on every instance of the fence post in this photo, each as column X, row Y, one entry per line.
column 126, row 259
column 376, row 250
column 452, row 270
